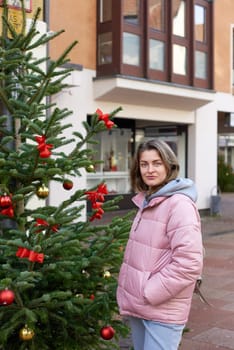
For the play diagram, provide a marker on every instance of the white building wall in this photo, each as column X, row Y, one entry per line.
column 77, row 99
column 40, row 51
column 202, row 153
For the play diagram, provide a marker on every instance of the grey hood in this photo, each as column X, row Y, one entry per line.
column 180, row 185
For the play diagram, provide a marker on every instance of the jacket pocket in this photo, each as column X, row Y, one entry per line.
column 146, row 277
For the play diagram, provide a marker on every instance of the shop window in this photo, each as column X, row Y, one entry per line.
column 114, row 149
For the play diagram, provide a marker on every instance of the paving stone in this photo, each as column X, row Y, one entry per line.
column 217, row 337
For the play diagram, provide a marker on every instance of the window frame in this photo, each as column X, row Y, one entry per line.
column 206, row 47
column 136, row 29
column 118, row 26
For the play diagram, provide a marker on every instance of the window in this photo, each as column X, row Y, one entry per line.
column 131, row 49
column 199, row 23
column 105, row 48
column 166, row 40
column 131, row 11
column 115, row 150
column 202, row 48
column 178, row 18
column 105, row 10
column 156, row 55
column 156, row 15
column 200, row 65
column 179, row 60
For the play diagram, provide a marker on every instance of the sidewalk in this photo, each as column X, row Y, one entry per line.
column 212, row 327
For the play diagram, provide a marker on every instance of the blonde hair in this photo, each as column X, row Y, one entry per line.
column 167, row 156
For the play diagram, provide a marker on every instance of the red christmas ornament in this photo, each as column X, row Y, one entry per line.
column 6, row 297
column 92, row 296
column 67, row 185
column 107, row 332
column 5, row 201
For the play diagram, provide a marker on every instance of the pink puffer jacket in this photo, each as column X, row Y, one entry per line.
column 162, row 261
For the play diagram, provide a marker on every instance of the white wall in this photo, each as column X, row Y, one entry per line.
column 40, row 51
column 202, row 153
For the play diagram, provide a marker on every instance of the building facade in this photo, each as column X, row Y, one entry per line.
column 168, row 64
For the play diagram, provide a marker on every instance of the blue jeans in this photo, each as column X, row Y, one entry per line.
column 150, row 335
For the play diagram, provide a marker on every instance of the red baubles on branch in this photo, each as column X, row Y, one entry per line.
column 6, row 206
column 7, row 297
column 107, row 332
column 67, row 185
column 5, row 201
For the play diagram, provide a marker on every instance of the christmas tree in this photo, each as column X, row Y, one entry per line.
column 58, row 271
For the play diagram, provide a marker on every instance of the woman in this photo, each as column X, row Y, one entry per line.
column 163, row 257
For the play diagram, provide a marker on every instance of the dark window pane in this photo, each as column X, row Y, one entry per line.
column 131, row 10
column 105, row 10
column 105, row 48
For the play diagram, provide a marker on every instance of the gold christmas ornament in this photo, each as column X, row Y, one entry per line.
column 106, row 274
column 26, row 333
column 42, row 191
column 90, row 168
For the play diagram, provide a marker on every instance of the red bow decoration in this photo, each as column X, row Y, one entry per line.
column 97, row 195
column 43, row 147
column 30, row 255
column 41, row 223
column 105, row 118
column 99, row 211
column 97, row 199
column 8, row 212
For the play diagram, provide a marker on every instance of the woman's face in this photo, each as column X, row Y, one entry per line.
column 152, row 168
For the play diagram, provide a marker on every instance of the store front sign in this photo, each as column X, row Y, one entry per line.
column 17, row 4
